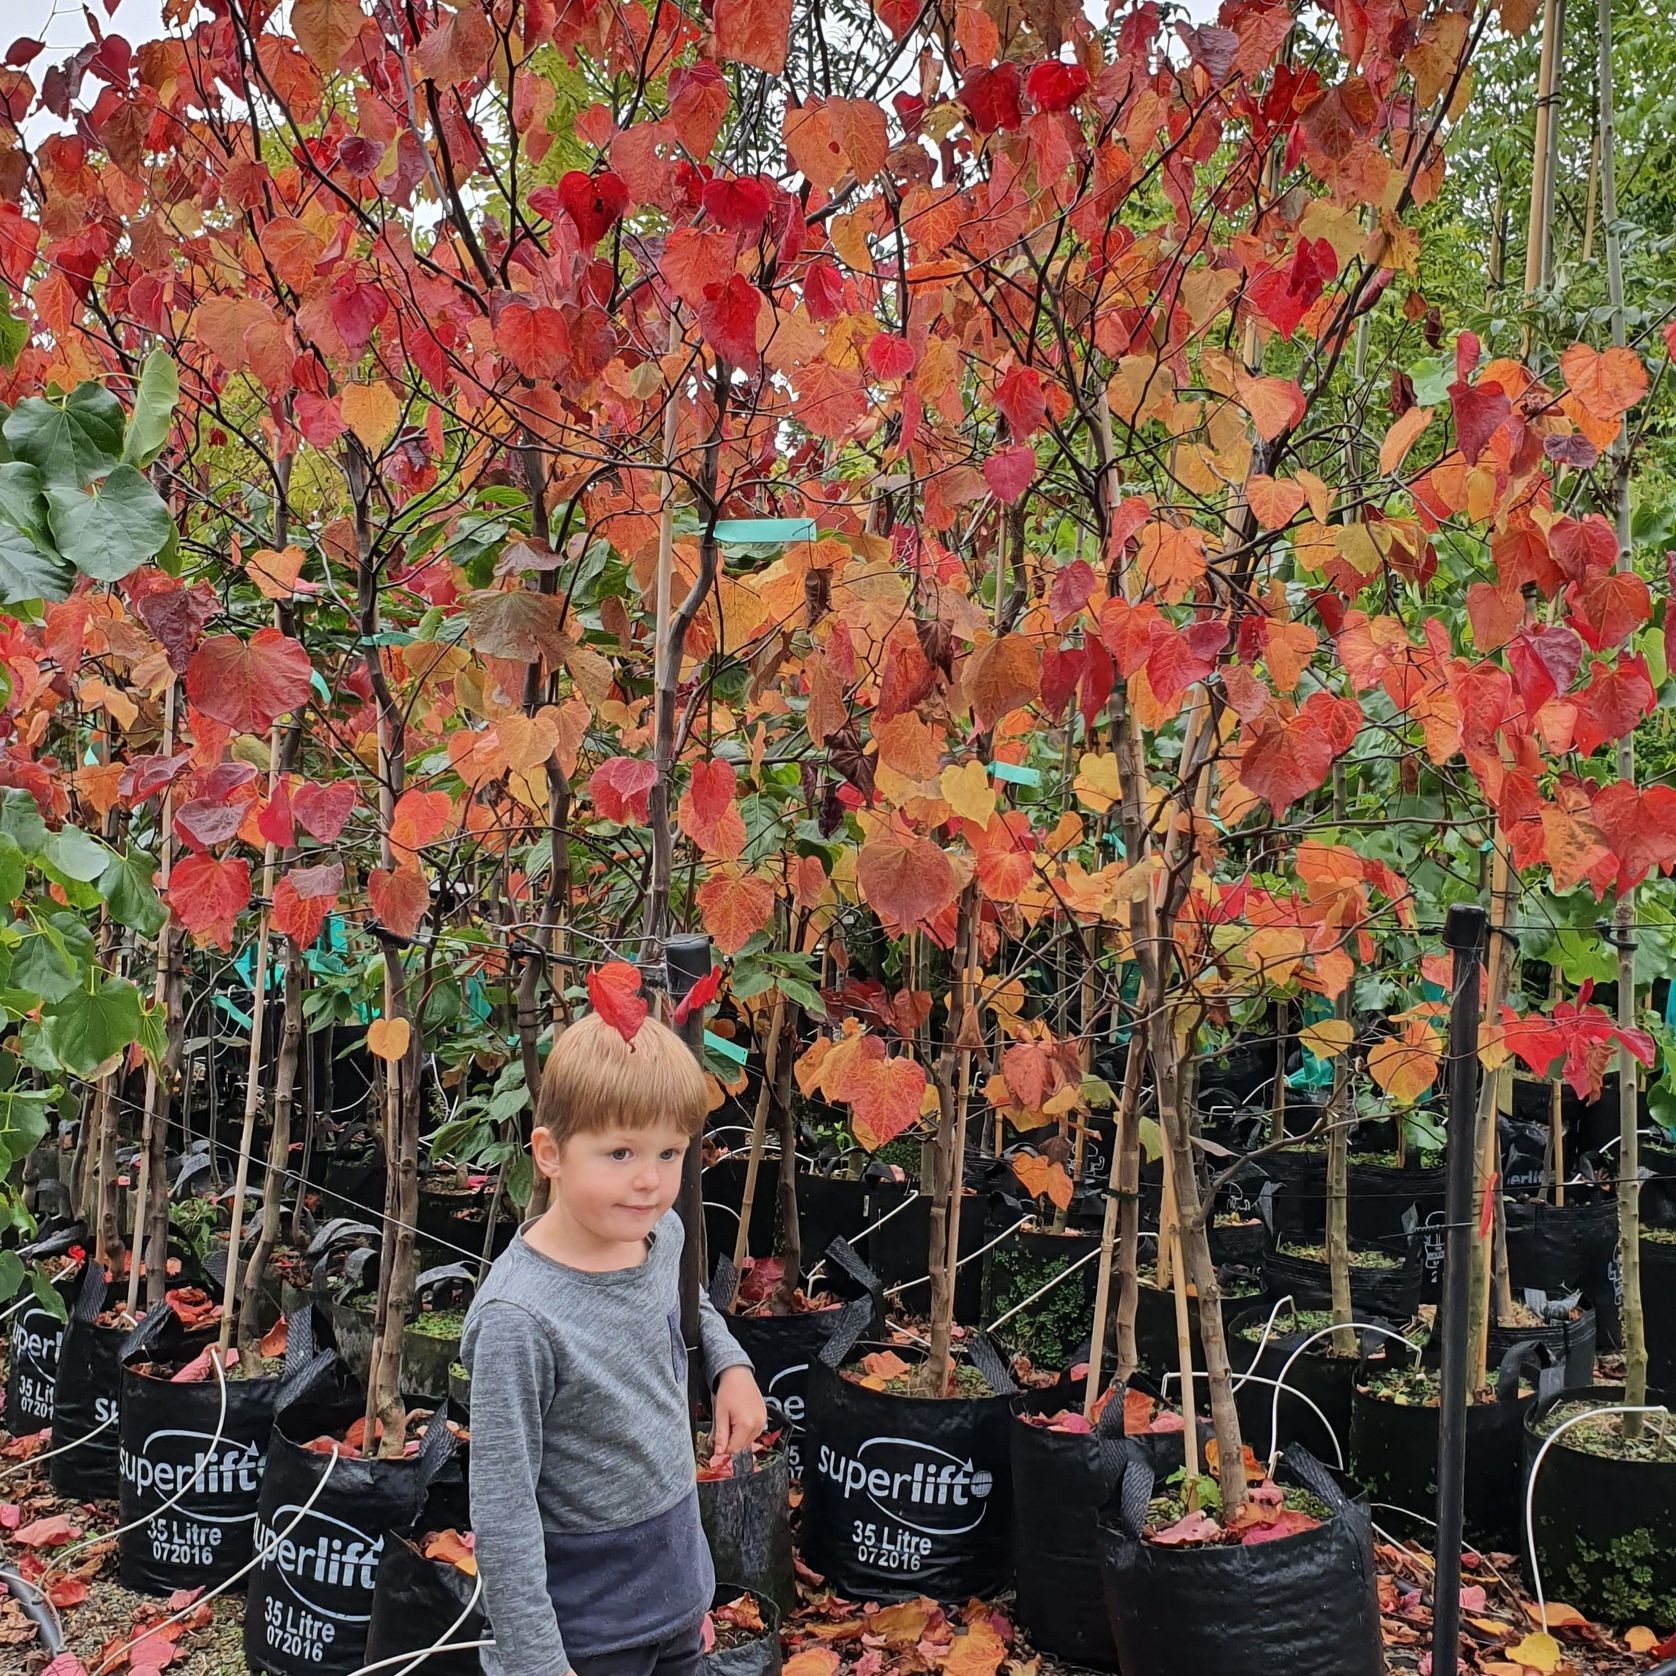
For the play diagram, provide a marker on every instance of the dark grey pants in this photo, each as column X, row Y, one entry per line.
column 678, row 1656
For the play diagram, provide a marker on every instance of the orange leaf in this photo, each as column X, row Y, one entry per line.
column 1042, row 1178
column 883, row 1094
column 1274, row 501
column 1000, row 676
column 450, row 1548
column 387, row 1038
column 1608, row 383
column 904, row 879
column 734, row 907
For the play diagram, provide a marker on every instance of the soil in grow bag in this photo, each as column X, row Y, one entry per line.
column 1240, row 1239
column 1306, row 1604
column 1604, row 1511
column 1317, row 1377
column 310, row 1597
column 1062, row 1479
column 32, row 1370
column 427, row 1594
column 906, row 1495
column 1384, row 1282
column 745, row 1508
column 191, row 1473
column 741, row 1634
column 1393, row 1443
column 1049, row 1330
column 86, row 1392
column 1561, row 1249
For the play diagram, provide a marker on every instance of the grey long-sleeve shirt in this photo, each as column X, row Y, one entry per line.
column 583, row 1494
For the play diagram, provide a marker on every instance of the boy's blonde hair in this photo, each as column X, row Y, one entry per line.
column 594, row 1081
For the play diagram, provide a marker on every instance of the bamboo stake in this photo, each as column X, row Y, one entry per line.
column 1535, row 229
column 1169, row 1240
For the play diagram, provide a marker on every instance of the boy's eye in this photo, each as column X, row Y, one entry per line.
column 620, row 1154
column 670, row 1152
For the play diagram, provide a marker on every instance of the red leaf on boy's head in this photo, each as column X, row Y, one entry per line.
column 702, row 993
column 614, row 993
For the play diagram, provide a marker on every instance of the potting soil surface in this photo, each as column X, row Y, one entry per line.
column 836, row 1637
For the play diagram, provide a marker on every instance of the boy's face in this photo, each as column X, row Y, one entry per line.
column 616, row 1184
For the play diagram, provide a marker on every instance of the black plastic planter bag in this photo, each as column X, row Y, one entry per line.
column 1317, row 1377
column 1061, row 1482
column 746, row 1521
column 1303, row 1605
column 1568, row 1248
column 311, row 1595
column 419, row 1603
column 1658, row 1303
column 905, row 1496
column 1393, row 1449
column 85, row 1394
column 32, row 1370
column 1570, row 1343
column 1375, row 1294
column 170, row 1453
column 759, row 1657
column 1605, row 1530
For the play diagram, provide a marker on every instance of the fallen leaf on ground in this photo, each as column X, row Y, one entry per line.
column 1537, row 1652
column 51, row 1532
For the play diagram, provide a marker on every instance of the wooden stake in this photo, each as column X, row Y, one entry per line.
column 759, row 1131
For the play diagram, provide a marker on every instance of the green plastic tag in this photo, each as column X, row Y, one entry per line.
column 746, row 532
column 1015, row 774
column 727, row 1049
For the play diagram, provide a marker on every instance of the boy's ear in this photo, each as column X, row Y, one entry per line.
column 546, row 1152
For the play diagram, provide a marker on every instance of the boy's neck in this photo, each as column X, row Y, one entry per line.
column 557, row 1234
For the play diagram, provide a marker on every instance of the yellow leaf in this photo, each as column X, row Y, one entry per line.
column 1537, row 1652
column 1096, row 782
column 387, row 1037
column 372, row 412
column 967, row 791
column 275, row 574
column 1328, row 1038
column 1640, row 1639
column 1405, row 1066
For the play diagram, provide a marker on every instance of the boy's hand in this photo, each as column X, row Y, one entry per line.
column 740, row 1416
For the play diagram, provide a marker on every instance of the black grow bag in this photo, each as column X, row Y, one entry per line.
column 311, row 1594
column 1303, row 1605
column 757, row 1657
column 1605, row 1530
column 419, row 1603
column 1570, row 1343
column 1061, row 1482
column 1375, row 1294
column 191, row 1476
column 32, row 1368
column 85, row 1395
column 1393, row 1449
column 1658, row 1306
column 1559, row 1249
column 1156, row 1342
column 902, row 1495
column 746, row 1522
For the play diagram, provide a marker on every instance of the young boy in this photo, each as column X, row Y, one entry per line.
column 583, row 1492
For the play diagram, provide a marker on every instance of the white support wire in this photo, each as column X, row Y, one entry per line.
column 972, row 1256
column 1536, row 1466
column 446, row 1647
column 1286, row 1368
column 63, row 1449
column 250, row 1565
column 442, row 1642
column 1042, row 1291
column 179, row 1496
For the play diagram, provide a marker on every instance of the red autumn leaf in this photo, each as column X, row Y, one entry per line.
column 206, row 894
column 1639, row 827
column 206, row 821
column 1608, row 607
column 753, row 32
column 1193, row 1528
column 706, row 812
column 1287, row 1521
column 65, row 1592
column 145, row 776
column 728, row 321
column 740, row 202
column 1054, row 85
column 323, row 809
column 535, row 339
column 614, row 993
column 272, row 1343
column 883, row 1093
column 621, row 787
column 1286, row 759
column 1545, row 661
column 1019, row 399
column 51, row 1532
column 399, row 899
column 1001, row 676
column 10, row 1515
column 66, row 1664
column 302, row 899
column 418, row 817
column 450, row 1547
column 889, row 356
column 248, row 684
column 1614, row 701
column 275, row 821
column 595, row 203
column 1010, row 472
column 702, row 993
column 1480, row 411
column 990, row 95
column 905, row 879
column 1607, row 382
column 734, row 907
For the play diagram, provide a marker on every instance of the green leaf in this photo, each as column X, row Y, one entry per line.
column 805, row 995
column 154, row 409
column 1097, row 1092
column 112, row 528
column 71, row 439
column 14, row 333
column 154, row 1033
column 1152, row 1139
column 11, row 869
column 88, row 1032
column 24, row 1117
column 28, row 573
column 23, row 500
column 13, row 1275
column 46, row 1295
column 78, row 855
column 126, row 885
column 54, row 959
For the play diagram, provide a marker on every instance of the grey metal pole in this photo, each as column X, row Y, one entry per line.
column 1463, row 935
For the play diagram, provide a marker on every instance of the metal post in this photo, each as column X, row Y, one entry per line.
column 1463, row 935
column 687, row 959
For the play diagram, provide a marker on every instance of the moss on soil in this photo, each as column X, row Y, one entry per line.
column 439, row 1323
column 1358, row 1259
column 1604, row 1435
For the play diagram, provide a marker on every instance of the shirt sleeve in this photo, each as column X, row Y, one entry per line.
column 514, row 1380
column 721, row 1349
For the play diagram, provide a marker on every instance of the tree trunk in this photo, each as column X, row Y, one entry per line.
column 789, row 1239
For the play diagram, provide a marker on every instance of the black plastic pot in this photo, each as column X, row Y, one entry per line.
column 1049, row 1330
column 190, row 1475
column 1385, row 1200
column 310, row 1597
column 904, row 1495
column 1061, row 1483
column 759, row 1656
column 1300, row 1196
column 781, row 1348
column 1243, row 1243
column 746, row 1523
column 1155, row 1319
column 1658, row 1309
column 86, row 1392
column 1605, row 1530
column 1570, row 1344
column 1560, row 1249
column 1305, row 1605
column 32, row 1369
column 419, row 1603
column 1318, row 1378
column 1375, row 1294
column 898, row 1252
column 1393, row 1449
